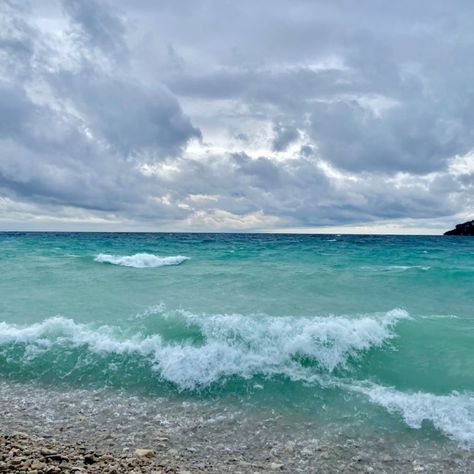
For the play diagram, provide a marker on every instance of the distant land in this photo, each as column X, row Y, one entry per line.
column 462, row 229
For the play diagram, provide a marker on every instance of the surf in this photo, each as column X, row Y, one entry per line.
column 140, row 260
column 227, row 345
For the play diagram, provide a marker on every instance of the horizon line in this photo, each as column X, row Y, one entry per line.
column 212, row 232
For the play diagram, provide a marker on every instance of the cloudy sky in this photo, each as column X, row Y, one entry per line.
column 336, row 115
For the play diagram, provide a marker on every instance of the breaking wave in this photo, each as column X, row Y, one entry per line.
column 307, row 349
column 451, row 414
column 140, row 260
column 228, row 345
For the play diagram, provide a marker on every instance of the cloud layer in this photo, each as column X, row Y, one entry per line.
column 268, row 115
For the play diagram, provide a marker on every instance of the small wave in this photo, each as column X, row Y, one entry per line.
column 440, row 316
column 451, row 414
column 232, row 345
column 396, row 268
column 140, row 260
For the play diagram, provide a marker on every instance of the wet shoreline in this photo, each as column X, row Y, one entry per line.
column 205, row 437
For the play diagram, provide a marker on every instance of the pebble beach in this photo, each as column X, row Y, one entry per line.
column 79, row 431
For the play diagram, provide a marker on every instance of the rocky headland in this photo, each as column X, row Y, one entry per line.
column 467, row 228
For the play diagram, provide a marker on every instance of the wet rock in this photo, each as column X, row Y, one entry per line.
column 276, row 466
column 417, row 467
column 144, row 453
column 89, row 459
column 233, row 445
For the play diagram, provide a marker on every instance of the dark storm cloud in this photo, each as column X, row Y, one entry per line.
column 416, row 55
column 95, row 27
column 416, row 137
column 284, row 136
column 100, row 102
column 69, row 134
column 130, row 118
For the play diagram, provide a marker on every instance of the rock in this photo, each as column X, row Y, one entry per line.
column 290, row 447
column 417, row 467
column 144, row 453
column 275, row 466
column 38, row 465
column 89, row 459
column 48, row 452
column 462, row 229
column 161, row 435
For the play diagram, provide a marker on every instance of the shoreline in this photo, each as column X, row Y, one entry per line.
column 21, row 452
column 195, row 437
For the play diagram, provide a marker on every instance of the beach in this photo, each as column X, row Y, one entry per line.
column 83, row 431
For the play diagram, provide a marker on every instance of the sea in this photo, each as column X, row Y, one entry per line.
column 361, row 338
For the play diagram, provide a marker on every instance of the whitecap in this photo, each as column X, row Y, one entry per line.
column 233, row 345
column 249, row 345
column 452, row 414
column 140, row 260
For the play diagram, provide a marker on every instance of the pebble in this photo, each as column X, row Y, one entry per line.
column 276, row 466
column 145, row 453
column 39, row 455
column 101, row 437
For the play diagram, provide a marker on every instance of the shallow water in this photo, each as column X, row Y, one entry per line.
column 361, row 336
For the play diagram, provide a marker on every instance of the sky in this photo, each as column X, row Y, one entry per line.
column 246, row 116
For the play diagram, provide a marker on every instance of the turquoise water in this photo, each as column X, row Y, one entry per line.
column 366, row 333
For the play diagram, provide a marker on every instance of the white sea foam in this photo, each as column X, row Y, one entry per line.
column 151, row 310
column 452, row 414
column 233, row 345
column 59, row 331
column 140, row 260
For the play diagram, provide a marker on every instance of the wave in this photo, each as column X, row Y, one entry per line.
column 396, row 268
column 451, row 414
column 229, row 345
column 140, row 260
column 302, row 349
